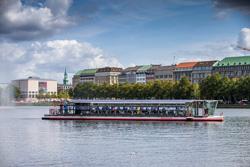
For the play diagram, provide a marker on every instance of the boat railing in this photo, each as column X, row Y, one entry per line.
column 59, row 111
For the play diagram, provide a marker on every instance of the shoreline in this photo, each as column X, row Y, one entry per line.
column 240, row 106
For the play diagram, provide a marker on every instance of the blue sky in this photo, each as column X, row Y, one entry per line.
column 42, row 37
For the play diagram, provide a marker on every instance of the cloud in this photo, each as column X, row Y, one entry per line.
column 233, row 5
column 48, row 60
column 221, row 15
column 216, row 50
column 23, row 22
column 244, row 38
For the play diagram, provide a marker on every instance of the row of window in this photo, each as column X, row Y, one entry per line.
column 35, row 93
column 203, row 68
column 233, row 73
column 140, row 75
column 87, row 79
column 233, row 68
column 183, row 69
column 163, row 76
column 200, row 75
column 140, row 79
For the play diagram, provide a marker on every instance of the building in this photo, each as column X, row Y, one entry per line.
column 76, row 78
column 65, row 86
column 108, row 74
column 184, row 69
column 86, row 75
column 164, row 73
column 150, row 74
column 32, row 86
column 141, row 74
column 202, row 70
column 233, row 67
column 128, row 74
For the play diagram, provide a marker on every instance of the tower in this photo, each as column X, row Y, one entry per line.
column 65, row 79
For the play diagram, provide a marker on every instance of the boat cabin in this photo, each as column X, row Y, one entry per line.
column 180, row 108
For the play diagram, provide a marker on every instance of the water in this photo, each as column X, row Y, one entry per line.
column 27, row 140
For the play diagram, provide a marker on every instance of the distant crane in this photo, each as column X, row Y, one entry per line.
column 243, row 48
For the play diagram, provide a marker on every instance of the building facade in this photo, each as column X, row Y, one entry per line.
column 202, row 70
column 150, row 74
column 32, row 86
column 128, row 74
column 233, row 67
column 164, row 73
column 141, row 74
column 184, row 69
column 86, row 75
column 108, row 74
column 76, row 78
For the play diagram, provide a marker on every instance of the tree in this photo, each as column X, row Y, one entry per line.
column 17, row 92
column 209, row 87
column 223, row 88
column 70, row 92
column 40, row 96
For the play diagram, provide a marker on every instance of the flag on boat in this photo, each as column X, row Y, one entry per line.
column 221, row 114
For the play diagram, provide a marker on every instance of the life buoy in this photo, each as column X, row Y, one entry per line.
column 52, row 111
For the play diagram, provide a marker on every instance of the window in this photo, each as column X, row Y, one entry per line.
column 170, row 76
column 194, row 75
column 161, row 76
column 166, row 76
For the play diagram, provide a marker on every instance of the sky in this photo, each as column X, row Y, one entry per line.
column 43, row 37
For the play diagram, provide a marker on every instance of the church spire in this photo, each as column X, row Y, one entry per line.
column 65, row 79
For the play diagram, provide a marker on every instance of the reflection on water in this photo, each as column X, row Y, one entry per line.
column 26, row 140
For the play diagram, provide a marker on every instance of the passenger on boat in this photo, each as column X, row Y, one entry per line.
column 61, row 108
column 65, row 108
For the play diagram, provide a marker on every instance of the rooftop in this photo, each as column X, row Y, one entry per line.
column 162, row 68
column 79, row 73
column 109, row 69
column 205, row 63
column 144, row 68
column 233, row 61
column 154, row 67
column 185, row 65
column 132, row 68
column 88, row 71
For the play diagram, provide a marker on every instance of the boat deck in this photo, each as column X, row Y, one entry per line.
column 133, row 118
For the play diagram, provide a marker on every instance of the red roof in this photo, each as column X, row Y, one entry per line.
column 188, row 64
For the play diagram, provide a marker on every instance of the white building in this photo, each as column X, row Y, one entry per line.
column 32, row 86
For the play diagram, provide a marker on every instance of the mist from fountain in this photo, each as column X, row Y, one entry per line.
column 6, row 96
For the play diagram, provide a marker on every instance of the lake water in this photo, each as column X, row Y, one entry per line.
column 27, row 140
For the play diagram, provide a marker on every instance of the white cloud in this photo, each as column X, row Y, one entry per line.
column 48, row 60
column 221, row 15
column 244, row 38
column 214, row 50
column 21, row 22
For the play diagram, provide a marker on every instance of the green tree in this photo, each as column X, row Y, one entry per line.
column 223, row 88
column 16, row 92
column 209, row 87
column 70, row 92
column 40, row 96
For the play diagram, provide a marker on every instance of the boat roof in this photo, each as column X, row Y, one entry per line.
column 139, row 101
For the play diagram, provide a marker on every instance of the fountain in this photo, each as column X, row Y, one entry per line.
column 6, row 95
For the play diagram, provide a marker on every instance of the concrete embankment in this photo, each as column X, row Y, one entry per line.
column 233, row 106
